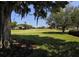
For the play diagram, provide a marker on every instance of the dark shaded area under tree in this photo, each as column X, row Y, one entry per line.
column 59, row 47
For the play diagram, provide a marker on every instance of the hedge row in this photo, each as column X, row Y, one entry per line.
column 73, row 32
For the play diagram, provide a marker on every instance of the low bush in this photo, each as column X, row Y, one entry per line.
column 73, row 32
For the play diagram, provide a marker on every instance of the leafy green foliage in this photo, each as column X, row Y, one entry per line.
column 41, row 7
column 75, row 17
column 13, row 24
column 62, row 18
column 25, row 26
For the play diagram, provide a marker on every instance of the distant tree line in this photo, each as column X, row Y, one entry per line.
column 24, row 26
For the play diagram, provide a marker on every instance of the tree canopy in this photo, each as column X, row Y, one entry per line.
column 62, row 18
column 75, row 17
column 41, row 7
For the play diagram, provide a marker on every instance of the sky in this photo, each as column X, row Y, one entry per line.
column 29, row 19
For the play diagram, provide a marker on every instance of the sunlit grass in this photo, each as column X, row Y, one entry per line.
column 40, row 32
column 50, row 40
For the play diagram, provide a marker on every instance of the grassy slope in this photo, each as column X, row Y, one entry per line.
column 50, row 40
column 41, row 33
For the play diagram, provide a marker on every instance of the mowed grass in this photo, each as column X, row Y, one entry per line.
column 50, row 42
column 53, row 33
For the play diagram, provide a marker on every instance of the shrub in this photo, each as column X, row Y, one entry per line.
column 73, row 32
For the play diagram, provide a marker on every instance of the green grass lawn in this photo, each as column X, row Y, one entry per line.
column 46, row 33
column 52, row 41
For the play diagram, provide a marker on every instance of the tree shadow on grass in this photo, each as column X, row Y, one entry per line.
column 36, row 39
column 51, row 47
column 55, row 32
column 58, row 47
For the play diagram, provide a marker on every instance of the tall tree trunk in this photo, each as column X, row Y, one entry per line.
column 77, row 28
column 0, row 27
column 7, row 32
column 7, row 29
column 63, row 29
column 4, row 29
